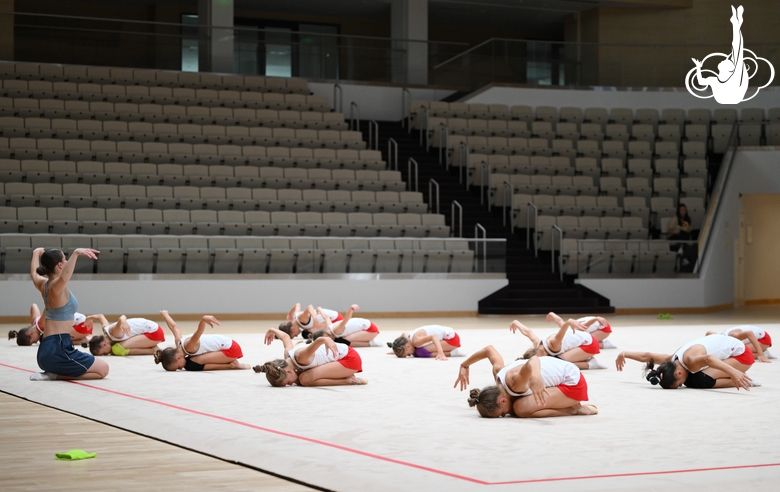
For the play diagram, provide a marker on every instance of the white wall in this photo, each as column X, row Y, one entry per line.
column 608, row 97
column 381, row 103
column 147, row 294
column 754, row 171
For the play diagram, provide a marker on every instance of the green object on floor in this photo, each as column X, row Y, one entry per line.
column 665, row 316
column 119, row 350
column 74, row 455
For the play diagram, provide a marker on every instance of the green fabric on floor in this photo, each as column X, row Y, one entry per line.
column 74, row 454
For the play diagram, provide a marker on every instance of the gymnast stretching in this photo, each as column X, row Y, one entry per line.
column 306, row 319
column 199, row 352
column 321, row 363
column 557, row 387
column 434, row 341
column 134, row 336
column 715, row 361
column 355, row 332
column 756, row 339
column 577, row 347
column 57, row 357
column 82, row 326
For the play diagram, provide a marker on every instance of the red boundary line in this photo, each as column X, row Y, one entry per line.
column 405, row 463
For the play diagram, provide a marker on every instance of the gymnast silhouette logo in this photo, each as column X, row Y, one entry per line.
column 730, row 84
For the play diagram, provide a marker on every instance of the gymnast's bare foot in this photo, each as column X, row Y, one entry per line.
column 586, row 410
column 358, row 381
column 237, row 365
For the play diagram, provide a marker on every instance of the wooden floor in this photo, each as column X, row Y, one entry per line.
column 30, row 435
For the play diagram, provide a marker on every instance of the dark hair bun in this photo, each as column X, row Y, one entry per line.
column 41, row 271
column 259, row 368
column 653, row 378
column 390, row 344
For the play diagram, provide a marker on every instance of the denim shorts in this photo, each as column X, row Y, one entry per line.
column 57, row 355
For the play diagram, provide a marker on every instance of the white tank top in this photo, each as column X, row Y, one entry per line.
column 594, row 327
column 554, row 372
column 321, row 355
column 209, row 343
column 355, row 325
column 759, row 332
column 570, row 341
column 441, row 332
column 720, row 346
column 138, row 326
column 328, row 312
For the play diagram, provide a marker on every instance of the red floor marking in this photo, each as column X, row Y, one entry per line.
column 399, row 462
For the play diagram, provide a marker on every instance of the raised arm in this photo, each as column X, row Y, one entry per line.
column 172, row 326
column 120, row 328
column 515, row 326
column 99, row 318
column 530, row 375
column 38, row 281
column 193, row 342
column 305, row 356
column 489, row 353
column 736, row 36
column 70, row 265
column 421, row 341
column 620, row 362
column 284, row 337
column 295, row 309
column 338, row 328
column 556, row 342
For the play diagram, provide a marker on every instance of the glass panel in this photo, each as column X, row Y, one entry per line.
column 278, row 52
column 245, row 50
column 189, row 43
column 318, row 56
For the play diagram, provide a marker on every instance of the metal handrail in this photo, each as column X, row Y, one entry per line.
column 482, row 167
column 432, row 182
column 452, row 212
column 715, row 198
column 511, row 205
column 338, row 102
column 354, row 108
column 373, row 136
column 392, row 157
column 416, row 174
column 464, row 151
column 552, row 242
column 446, row 137
column 423, row 127
column 528, row 226
column 477, row 227
column 406, row 109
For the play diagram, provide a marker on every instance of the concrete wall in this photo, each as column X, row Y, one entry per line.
column 755, row 171
column 219, row 294
column 609, row 98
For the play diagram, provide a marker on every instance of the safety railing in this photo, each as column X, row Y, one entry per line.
column 528, row 227
column 505, row 185
column 626, row 258
column 338, row 98
column 478, row 227
column 373, row 135
column 457, row 204
column 444, row 135
column 354, row 116
column 406, row 110
column 555, row 229
column 392, row 153
column 416, row 175
column 431, row 183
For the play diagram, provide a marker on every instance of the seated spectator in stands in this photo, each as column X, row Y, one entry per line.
column 680, row 226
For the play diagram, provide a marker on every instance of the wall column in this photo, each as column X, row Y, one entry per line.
column 6, row 30
column 409, row 20
column 215, row 49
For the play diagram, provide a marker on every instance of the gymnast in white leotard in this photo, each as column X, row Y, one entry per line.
column 199, row 352
column 435, row 341
column 715, row 361
column 321, row 363
column 82, row 326
column 134, row 336
column 754, row 337
column 577, row 346
column 538, row 387
column 355, row 332
column 306, row 319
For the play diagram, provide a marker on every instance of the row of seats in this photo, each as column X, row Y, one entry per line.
column 250, row 255
column 586, row 227
column 625, row 116
column 571, row 148
column 633, row 206
column 81, row 196
column 150, row 78
column 147, row 174
column 618, row 258
column 136, row 94
column 587, row 166
column 182, row 153
column 66, row 220
column 168, row 132
column 168, row 113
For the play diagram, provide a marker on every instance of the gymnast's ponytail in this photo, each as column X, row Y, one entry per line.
column 22, row 336
column 486, row 400
column 663, row 375
column 274, row 372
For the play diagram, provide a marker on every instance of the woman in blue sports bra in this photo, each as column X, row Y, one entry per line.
column 56, row 356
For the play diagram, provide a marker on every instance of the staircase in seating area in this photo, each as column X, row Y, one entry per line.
column 533, row 288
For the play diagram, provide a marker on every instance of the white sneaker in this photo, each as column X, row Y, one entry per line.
column 606, row 344
column 769, row 355
column 43, row 376
column 755, row 383
column 375, row 343
column 458, row 352
column 593, row 363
